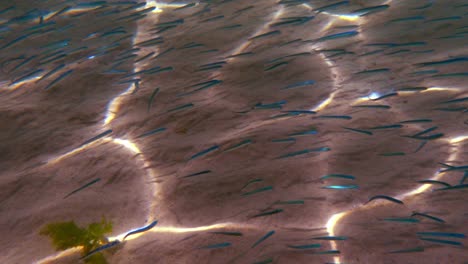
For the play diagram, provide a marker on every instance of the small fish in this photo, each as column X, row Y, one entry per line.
column 28, row 76
column 308, row 246
column 239, row 145
column 152, row 132
column 299, row 112
column 387, row 127
column 240, row 55
column 402, row 220
column 204, row 152
column 336, row 117
column 343, row 176
column 299, row 84
column 443, row 62
column 263, row 238
column 151, row 99
column 198, row 173
column 331, row 238
column 359, row 131
column 440, row 241
column 385, row 96
column 212, row 19
column 227, row 233
column 346, row 34
column 331, row 6
column 374, row 106
column 216, row 246
column 283, row 140
column 295, row 153
column 250, row 182
column 142, row 229
column 388, row 154
column 416, row 121
column 409, row 250
column 428, row 216
column 60, row 77
column 304, row 133
column 181, row 107
column 243, row 9
column 451, row 18
column 373, row 71
column 385, row 197
column 276, row 65
column 101, row 248
column 421, row 145
column 435, row 182
column 185, row 6
column 103, row 134
column 83, row 187
column 341, row 187
column 465, row 176
column 271, row 212
column 270, row 33
column 454, row 187
column 459, row 100
column 369, row 10
column 405, row 19
column 430, row 137
column 441, row 234
column 263, row 189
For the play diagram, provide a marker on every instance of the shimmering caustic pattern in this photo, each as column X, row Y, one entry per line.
column 236, row 131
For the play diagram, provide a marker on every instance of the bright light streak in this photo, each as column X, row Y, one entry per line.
column 114, row 104
column 340, row 16
column 53, row 258
column 31, row 79
column 175, row 230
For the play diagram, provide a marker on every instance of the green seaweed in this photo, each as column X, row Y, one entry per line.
column 65, row 235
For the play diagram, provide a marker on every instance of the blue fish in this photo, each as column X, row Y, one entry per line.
column 409, row 250
column 26, row 77
column 152, row 132
column 336, row 117
column 101, row 248
column 369, row 10
column 443, row 62
column 440, row 241
column 60, row 77
column 239, row 145
column 342, row 176
column 385, row 197
column 283, row 140
column 304, row 133
column 263, row 238
column 373, row 71
column 387, row 127
column 416, row 121
column 204, row 152
column 276, row 65
column 153, row 95
column 271, row 212
column 83, row 187
column 263, row 189
column 181, row 107
column 359, row 131
column 250, row 182
column 307, row 246
column 341, row 187
column 142, row 229
column 299, row 84
column 270, row 33
column 216, row 246
column 103, row 134
column 227, row 233
column 441, row 234
column 435, row 182
column 331, row 6
column 428, row 216
column 347, row 34
column 198, row 173
column 340, row 238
